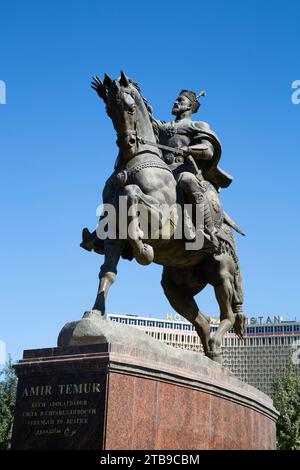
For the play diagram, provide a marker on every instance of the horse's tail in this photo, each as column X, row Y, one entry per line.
column 237, row 305
column 228, row 221
column 239, row 324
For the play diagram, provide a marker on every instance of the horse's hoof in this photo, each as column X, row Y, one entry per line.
column 93, row 313
column 146, row 256
column 215, row 356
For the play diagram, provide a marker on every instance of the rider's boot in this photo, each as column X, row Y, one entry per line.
column 90, row 241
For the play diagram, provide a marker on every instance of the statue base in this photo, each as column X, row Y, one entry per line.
column 112, row 396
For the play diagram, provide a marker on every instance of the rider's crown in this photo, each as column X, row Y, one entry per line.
column 191, row 95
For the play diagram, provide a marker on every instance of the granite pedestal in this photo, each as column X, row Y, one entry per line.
column 116, row 396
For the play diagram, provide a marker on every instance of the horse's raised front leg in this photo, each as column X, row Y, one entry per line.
column 184, row 303
column 108, row 273
column 136, row 199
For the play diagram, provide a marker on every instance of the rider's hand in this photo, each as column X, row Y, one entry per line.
column 185, row 150
column 169, row 158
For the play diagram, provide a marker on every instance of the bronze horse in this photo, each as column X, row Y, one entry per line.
column 145, row 179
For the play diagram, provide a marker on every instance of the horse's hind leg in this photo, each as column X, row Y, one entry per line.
column 224, row 289
column 182, row 300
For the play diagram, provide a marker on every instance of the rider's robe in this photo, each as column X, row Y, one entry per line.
column 187, row 133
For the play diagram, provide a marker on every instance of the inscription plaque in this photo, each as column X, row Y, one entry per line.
column 61, row 410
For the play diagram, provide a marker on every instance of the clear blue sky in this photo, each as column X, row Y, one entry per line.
column 58, row 146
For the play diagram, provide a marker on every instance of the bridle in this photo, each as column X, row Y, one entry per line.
column 129, row 132
column 133, row 132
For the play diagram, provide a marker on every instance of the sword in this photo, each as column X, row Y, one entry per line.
column 175, row 150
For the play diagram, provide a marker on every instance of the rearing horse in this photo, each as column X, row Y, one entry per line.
column 145, row 179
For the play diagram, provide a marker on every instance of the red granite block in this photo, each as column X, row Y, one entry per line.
column 119, row 412
column 230, row 423
column 245, row 427
column 258, row 429
column 150, row 414
column 255, row 434
column 138, row 403
column 144, row 413
column 262, row 433
column 219, row 409
column 176, row 417
column 202, row 421
column 251, row 421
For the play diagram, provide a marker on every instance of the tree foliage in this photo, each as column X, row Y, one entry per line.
column 286, row 397
column 8, row 388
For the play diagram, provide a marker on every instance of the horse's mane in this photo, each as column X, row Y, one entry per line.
column 149, row 109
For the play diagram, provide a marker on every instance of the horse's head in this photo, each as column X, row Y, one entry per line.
column 127, row 110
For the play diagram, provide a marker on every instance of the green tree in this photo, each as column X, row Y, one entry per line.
column 286, row 397
column 8, row 388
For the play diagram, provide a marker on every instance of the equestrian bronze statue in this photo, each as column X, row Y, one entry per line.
column 168, row 175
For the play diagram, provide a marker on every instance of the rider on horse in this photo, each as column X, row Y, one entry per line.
column 144, row 177
column 197, row 184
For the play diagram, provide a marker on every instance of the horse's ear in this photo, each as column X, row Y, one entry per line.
column 124, row 80
column 107, row 81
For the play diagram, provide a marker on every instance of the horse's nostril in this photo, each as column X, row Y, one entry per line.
column 132, row 141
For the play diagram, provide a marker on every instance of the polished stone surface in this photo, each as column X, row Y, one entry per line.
column 162, row 416
column 60, row 401
column 112, row 396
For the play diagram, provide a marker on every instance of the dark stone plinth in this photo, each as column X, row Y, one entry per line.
column 109, row 396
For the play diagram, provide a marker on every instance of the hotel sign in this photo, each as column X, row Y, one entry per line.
column 250, row 321
column 265, row 320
